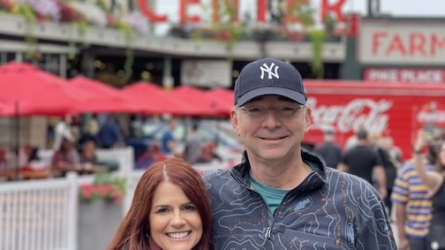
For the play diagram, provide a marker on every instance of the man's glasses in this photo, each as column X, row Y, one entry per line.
column 258, row 112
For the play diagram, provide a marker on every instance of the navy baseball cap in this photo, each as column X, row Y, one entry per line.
column 269, row 76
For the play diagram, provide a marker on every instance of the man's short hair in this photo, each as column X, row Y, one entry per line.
column 362, row 134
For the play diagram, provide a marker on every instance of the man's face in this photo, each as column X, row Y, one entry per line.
column 275, row 135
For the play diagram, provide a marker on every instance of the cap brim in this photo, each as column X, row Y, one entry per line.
column 288, row 93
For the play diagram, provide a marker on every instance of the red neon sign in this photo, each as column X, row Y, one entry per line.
column 327, row 8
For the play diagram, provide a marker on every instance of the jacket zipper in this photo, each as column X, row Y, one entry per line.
column 266, row 236
column 268, row 228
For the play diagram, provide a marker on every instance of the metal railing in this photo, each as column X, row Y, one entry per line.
column 39, row 215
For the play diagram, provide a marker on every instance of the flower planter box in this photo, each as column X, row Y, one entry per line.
column 98, row 222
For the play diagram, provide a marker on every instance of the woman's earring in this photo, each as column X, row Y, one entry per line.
column 147, row 233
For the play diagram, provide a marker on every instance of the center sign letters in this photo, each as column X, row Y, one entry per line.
column 327, row 7
column 402, row 43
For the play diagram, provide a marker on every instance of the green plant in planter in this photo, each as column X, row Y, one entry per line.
column 30, row 19
column 317, row 37
column 227, row 30
column 105, row 186
column 129, row 53
column 306, row 14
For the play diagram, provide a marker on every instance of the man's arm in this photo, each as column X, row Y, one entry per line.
column 342, row 165
column 401, row 219
column 381, row 180
column 375, row 231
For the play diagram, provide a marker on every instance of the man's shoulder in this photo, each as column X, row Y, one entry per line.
column 216, row 175
column 334, row 176
column 216, row 180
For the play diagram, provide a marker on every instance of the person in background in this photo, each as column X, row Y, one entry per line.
column 168, row 142
column 193, row 146
column 329, row 151
column 109, row 134
column 434, row 180
column 88, row 158
column 362, row 161
column 7, row 163
column 65, row 159
column 62, row 131
column 90, row 133
column 170, row 210
column 394, row 152
column 389, row 164
column 412, row 202
column 282, row 196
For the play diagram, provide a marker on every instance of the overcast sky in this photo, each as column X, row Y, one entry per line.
column 400, row 7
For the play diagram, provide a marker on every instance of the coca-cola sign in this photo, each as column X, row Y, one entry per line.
column 348, row 117
column 431, row 113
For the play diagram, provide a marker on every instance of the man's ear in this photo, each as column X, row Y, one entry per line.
column 307, row 119
column 234, row 120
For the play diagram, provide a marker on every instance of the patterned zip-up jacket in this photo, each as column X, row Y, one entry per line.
column 329, row 210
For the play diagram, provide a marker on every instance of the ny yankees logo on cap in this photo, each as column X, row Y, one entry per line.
column 268, row 69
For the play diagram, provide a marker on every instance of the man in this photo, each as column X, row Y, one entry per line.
column 376, row 141
column 361, row 160
column 329, row 151
column 280, row 196
column 412, row 202
column 109, row 134
column 168, row 143
column 193, row 146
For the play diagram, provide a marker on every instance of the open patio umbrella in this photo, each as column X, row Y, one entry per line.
column 35, row 92
column 157, row 101
column 106, row 98
column 208, row 105
column 224, row 97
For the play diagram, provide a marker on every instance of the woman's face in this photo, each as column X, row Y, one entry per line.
column 175, row 223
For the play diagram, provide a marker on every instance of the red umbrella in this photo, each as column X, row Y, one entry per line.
column 105, row 98
column 224, row 97
column 198, row 98
column 35, row 92
column 52, row 100
column 157, row 101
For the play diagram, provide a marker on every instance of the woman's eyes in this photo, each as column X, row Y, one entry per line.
column 162, row 210
column 166, row 210
column 189, row 208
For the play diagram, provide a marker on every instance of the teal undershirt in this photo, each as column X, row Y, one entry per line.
column 272, row 196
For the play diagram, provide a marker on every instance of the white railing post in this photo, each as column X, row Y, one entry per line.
column 72, row 218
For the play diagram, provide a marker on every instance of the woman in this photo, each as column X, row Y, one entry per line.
column 434, row 180
column 170, row 210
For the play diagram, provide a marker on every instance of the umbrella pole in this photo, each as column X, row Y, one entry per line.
column 17, row 139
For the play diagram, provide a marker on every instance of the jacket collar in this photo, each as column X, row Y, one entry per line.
column 316, row 179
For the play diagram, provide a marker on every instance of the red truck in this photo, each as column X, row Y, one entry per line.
column 397, row 110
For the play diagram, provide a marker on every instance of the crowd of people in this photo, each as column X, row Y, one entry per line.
column 74, row 140
column 370, row 156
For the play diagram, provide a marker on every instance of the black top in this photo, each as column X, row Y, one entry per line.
column 361, row 160
column 330, row 153
column 437, row 226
